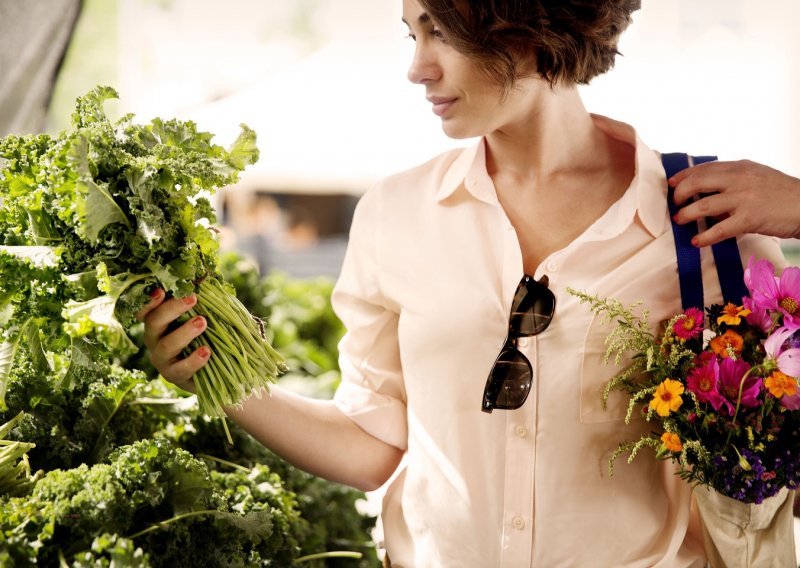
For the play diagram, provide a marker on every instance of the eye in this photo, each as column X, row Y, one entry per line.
column 438, row 34
column 411, row 36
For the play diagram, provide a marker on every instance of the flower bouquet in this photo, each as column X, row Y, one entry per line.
column 720, row 388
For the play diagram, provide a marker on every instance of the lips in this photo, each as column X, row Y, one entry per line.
column 442, row 104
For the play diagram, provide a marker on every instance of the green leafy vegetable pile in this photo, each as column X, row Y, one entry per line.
column 119, row 208
column 193, row 517
column 129, row 470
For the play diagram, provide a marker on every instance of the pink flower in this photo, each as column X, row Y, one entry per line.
column 759, row 317
column 690, row 325
column 703, row 381
column 777, row 294
column 788, row 361
column 731, row 372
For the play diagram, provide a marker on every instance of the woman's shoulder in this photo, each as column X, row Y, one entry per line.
column 420, row 181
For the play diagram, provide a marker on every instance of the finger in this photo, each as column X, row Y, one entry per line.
column 708, row 181
column 714, row 205
column 158, row 320
column 172, row 344
column 182, row 371
column 725, row 229
column 156, row 297
column 708, row 167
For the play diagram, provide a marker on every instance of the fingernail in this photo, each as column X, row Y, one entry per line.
column 199, row 322
column 204, row 352
column 671, row 181
column 189, row 300
column 156, row 294
column 695, row 242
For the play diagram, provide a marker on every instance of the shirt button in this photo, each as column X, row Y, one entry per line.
column 518, row 523
column 552, row 266
column 520, row 430
column 522, row 342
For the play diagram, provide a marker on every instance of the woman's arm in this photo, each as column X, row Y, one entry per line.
column 313, row 435
column 748, row 197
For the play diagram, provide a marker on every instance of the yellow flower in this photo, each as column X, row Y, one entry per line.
column 667, row 398
column 733, row 314
column 672, row 442
column 780, row 384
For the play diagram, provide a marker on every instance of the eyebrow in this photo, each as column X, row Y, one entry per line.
column 424, row 18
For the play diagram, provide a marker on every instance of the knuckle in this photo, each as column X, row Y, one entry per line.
column 716, row 232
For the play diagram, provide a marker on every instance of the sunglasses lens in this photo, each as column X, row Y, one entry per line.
column 509, row 382
column 532, row 309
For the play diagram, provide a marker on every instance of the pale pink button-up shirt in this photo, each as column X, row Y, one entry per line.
column 425, row 293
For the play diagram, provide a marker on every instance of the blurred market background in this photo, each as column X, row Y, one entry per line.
column 323, row 84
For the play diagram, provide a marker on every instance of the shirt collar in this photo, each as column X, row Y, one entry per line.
column 640, row 200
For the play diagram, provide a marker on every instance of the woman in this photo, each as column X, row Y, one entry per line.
column 435, row 259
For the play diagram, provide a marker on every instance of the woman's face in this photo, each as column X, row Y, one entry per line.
column 467, row 101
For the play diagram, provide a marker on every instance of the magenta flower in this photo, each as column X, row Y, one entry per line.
column 731, row 372
column 777, row 294
column 690, row 325
column 703, row 381
column 791, row 402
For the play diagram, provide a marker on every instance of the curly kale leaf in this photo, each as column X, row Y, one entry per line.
column 134, row 198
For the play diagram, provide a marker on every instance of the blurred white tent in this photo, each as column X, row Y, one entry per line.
column 336, row 121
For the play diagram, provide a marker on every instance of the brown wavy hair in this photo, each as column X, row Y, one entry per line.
column 570, row 42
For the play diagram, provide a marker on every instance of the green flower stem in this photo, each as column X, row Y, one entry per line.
column 739, row 401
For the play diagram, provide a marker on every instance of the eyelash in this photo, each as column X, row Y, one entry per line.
column 438, row 34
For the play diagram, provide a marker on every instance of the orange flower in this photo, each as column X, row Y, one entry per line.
column 667, row 398
column 780, row 384
column 733, row 314
column 672, row 442
column 728, row 342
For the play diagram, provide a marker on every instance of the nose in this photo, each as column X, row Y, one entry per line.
column 424, row 67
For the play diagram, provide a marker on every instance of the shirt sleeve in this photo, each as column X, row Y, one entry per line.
column 371, row 392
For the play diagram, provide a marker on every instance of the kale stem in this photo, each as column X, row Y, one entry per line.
column 224, row 462
column 330, row 554
column 171, row 520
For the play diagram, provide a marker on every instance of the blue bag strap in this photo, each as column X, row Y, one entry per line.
column 726, row 253
column 690, row 275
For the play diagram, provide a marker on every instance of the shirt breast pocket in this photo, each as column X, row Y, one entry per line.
column 596, row 373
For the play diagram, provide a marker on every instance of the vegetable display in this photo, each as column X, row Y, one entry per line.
column 120, row 208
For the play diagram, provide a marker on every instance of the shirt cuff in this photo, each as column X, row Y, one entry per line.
column 379, row 415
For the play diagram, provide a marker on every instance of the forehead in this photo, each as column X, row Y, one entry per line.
column 414, row 13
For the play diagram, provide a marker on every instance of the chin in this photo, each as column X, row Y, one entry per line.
column 459, row 131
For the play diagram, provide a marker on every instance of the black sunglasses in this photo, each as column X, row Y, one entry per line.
column 510, row 379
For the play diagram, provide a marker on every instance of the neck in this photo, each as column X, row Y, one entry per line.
column 553, row 136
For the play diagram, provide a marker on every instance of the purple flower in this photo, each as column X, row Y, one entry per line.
column 731, row 373
column 776, row 294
